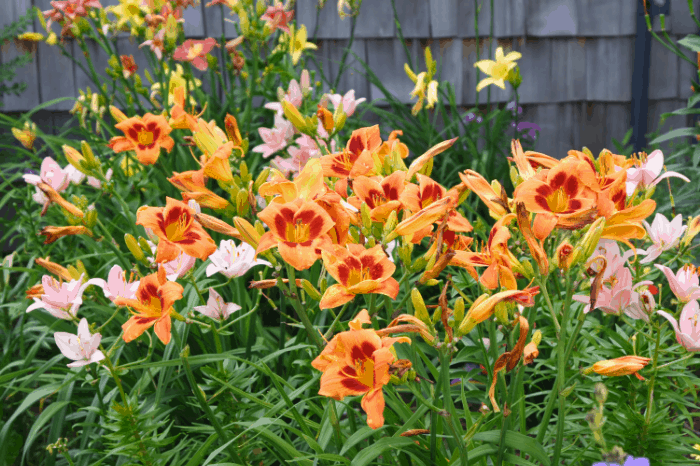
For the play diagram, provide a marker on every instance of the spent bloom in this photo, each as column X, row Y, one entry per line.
column 81, row 348
column 233, row 261
column 498, row 69
column 687, row 327
column 117, row 284
column 216, row 308
column 60, row 299
column 51, row 174
column 664, row 234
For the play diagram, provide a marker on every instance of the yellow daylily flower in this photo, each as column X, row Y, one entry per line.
column 298, row 43
column 128, row 12
column 497, row 70
column 31, row 36
column 426, row 86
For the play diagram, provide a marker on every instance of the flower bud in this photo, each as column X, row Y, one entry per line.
column 626, row 365
column 692, row 230
column 326, row 118
column 568, row 390
column 311, row 290
column 366, row 216
column 76, row 159
column 262, row 178
column 564, row 255
column 90, row 219
column 458, row 310
column 242, row 204
column 248, row 233
column 26, row 136
column 54, row 233
column 134, row 247
column 292, row 114
column 390, row 223
column 91, row 163
column 419, row 309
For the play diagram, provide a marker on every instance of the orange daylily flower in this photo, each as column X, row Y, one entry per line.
column 416, row 198
column 54, row 268
column 381, row 196
column 560, row 197
column 534, row 159
column 153, row 305
column 179, row 118
column 533, row 237
column 393, row 145
column 423, row 159
column 357, row 271
column 177, row 230
column 626, row 365
column 356, row 158
column 497, row 202
column 218, row 166
column 494, row 255
column 145, row 136
column 299, row 229
column 357, row 362
column 424, row 217
column 193, row 186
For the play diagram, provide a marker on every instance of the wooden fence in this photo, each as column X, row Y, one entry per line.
column 577, row 58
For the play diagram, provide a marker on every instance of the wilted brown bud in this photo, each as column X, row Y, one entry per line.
column 414, row 432
column 53, row 233
column 271, row 282
column 53, row 196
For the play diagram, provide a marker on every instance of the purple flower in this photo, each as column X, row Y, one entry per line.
column 511, row 106
column 531, row 128
column 470, row 117
column 630, row 461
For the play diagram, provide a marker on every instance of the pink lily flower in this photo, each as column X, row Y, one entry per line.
column 52, row 174
column 277, row 18
column 157, row 44
column 294, row 96
column 60, row 299
column 75, row 176
column 348, row 100
column 684, row 284
column 641, row 306
column 216, row 308
column 664, row 234
column 276, row 138
column 688, row 327
column 97, row 184
column 299, row 156
column 117, row 285
column 647, row 174
column 233, row 261
column 176, row 268
column 305, row 82
column 81, row 348
column 195, row 52
column 72, row 9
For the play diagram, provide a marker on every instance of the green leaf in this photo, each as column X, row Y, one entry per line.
column 516, row 441
column 676, row 133
column 43, row 418
column 356, row 438
column 368, row 454
column 696, row 155
column 691, row 41
column 693, row 100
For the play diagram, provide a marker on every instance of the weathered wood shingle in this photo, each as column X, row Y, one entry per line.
column 376, row 20
column 663, row 73
column 330, row 26
column 386, row 57
column 509, row 20
column 609, row 69
column 56, row 76
column 353, row 76
column 552, row 18
column 414, row 17
column 28, row 74
column 567, row 79
column 194, row 21
column 606, row 17
column 443, row 18
column 682, row 22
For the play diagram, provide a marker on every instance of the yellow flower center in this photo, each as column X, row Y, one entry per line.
column 358, row 276
column 176, row 231
column 195, row 51
column 298, row 232
column 145, row 138
column 365, row 372
column 558, row 201
column 500, row 71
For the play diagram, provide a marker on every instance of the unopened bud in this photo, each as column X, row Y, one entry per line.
column 134, row 247
column 311, row 290
column 249, row 234
column 458, row 310
column 419, row 309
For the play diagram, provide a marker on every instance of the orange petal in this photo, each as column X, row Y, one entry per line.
column 373, row 405
column 162, row 329
column 335, row 295
column 134, row 327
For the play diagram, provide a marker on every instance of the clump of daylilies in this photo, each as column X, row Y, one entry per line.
column 380, row 229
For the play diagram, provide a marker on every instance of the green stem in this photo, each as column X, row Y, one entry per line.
column 561, row 371
column 341, row 67
column 301, row 312
column 247, row 116
column 652, row 380
column 206, row 408
column 329, row 333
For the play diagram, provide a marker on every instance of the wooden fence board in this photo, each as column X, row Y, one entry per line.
column 413, row 17
column 509, row 20
column 591, row 126
column 376, row 20
column 663, row 72
column 448, row 54
column 330, row 26
column 27, row 74
column 609, row 63
column 568, row 83
column 386, row 57
column 535, row 70
column 56, row 76
column 552, row 18
column 656, row 109
column 11, row 10
column 687, row 72
column 682, row 22
column 617, row 122
column 321, row 55
column 353, row 75
column 443, row 18
column 230, row 24
column 99, row 60
column 214, row 20
column 194, row 21
column 606, row 17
